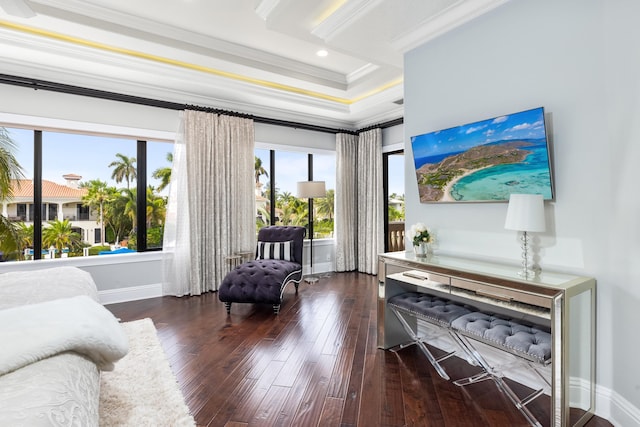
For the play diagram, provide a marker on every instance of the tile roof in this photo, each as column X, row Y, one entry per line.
column 50, row 190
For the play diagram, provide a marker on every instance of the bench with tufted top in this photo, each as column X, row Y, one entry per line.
column 262, row 280
column 435, row 310
column 466, row 324
column 531, row 342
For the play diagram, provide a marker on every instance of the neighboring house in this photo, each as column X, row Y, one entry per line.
column 59, row 202
column 396, row 203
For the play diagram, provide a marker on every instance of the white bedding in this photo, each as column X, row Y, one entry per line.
column 30, row 287
column 35, row 332
column 59, row 391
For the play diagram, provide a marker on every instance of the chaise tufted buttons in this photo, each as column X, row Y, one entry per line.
column 259, row 281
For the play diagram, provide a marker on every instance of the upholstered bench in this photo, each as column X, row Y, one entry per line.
column 263, row 280
column 530, row 343
column 435, row 310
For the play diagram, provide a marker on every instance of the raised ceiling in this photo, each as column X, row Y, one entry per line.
column 251, row 56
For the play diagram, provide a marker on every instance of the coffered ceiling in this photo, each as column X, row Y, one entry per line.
column 253, row 56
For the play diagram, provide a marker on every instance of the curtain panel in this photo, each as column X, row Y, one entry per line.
column 346, row 224
column 359, row 226
column 211, row 209
column 370, row 231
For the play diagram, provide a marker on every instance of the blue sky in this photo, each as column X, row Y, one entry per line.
column 525, row 124
column 84, row 155
column 291, row 167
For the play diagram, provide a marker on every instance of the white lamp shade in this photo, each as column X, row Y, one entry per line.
column 525, row 213
column 311, row 189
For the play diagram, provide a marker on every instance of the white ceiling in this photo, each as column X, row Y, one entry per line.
column 251, row 56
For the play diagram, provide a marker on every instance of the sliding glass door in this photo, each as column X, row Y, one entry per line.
column 394, row 209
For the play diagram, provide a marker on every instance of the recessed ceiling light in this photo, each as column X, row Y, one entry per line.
column 322, row 53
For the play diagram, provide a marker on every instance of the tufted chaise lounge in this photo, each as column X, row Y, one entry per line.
column 263, row 279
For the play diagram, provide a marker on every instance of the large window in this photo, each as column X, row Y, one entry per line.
column 277, row 173
column 324, row 169
column 290, row 167
column 393, row 163
column 159, row 163
column 86, row 188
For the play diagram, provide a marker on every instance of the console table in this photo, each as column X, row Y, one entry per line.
column 564, row 303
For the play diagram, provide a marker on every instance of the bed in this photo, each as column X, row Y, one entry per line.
column 61, row 389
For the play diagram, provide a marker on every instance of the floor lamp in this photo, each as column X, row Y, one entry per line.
column 310, row 190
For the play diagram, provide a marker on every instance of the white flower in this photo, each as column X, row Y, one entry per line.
column 419, row 233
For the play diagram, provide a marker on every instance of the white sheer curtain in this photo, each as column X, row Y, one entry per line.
column 211, row 209
column 359, row 201
column 345, row 199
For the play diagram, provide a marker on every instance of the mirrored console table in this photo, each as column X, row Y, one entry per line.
column 564, row 303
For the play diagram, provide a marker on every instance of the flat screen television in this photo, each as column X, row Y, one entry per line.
column 485, row 161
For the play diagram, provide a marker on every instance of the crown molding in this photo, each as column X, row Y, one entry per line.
column 344, row 17
column 265, row 7
column 165, row 35
column 448, row 19
column 361, row 72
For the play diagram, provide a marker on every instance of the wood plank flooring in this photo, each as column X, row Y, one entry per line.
column 314, row 364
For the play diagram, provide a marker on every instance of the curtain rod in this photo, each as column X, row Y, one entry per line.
column 150, row 102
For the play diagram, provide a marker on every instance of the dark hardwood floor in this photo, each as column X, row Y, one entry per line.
column 315, row 364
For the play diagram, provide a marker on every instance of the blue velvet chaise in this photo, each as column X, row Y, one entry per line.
column 262, row 280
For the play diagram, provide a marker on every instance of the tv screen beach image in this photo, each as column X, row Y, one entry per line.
column 484, row 161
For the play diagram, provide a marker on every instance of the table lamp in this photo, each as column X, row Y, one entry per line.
column 525, row 213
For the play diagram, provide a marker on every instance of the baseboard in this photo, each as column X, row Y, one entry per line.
column 323, row 267
column 113, row 296
column 615, row 408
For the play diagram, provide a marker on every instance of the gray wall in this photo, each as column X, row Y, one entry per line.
column 579, row 59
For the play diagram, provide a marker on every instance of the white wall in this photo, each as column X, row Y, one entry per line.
column 578, row 59
column 118, row 277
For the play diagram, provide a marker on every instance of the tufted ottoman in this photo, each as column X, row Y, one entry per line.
column 429, row 307
column 435, row 310
column 262, row 280
column 531, row 342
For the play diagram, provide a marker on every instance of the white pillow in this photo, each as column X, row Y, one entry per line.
column 275, row 250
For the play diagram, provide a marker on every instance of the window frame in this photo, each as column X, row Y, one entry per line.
column 273, row 148
column 38, row 125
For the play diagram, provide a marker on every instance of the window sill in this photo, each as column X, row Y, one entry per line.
column 88, row 261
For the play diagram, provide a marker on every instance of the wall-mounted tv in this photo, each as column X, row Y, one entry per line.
column 485, row 161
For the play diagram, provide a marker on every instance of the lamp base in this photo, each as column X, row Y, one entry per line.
column 527, row 273
column 311, row 279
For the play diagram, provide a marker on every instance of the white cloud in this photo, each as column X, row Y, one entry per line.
column 475, row 129
column 521, row 126
column 499, row 119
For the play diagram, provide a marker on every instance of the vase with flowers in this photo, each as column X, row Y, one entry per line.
column 421, row 238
